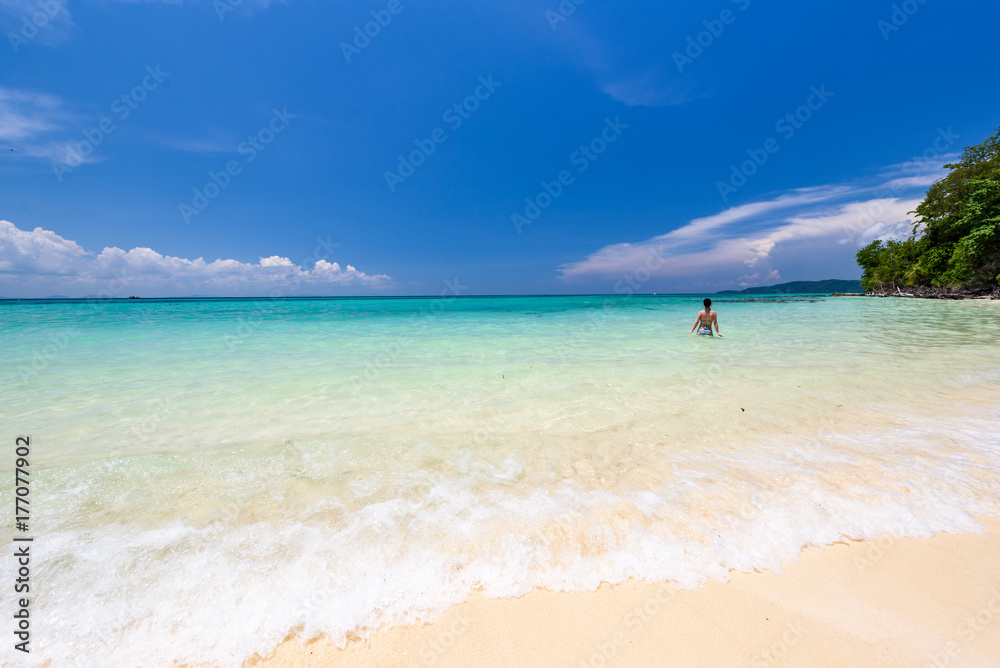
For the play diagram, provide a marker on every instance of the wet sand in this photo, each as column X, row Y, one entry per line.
column 891, row 602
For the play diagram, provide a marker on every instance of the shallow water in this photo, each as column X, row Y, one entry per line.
column 211, row 475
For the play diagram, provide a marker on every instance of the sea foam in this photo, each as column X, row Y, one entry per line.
column 220, row 556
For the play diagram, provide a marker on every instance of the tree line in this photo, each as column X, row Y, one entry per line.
column 955, row 242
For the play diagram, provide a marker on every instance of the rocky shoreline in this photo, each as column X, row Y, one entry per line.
column 926, row 292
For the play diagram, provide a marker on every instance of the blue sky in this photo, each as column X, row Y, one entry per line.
column 251, row 147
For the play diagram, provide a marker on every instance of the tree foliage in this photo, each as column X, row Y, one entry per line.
column 956, row 237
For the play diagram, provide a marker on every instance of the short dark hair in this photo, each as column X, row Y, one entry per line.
column 707, row 302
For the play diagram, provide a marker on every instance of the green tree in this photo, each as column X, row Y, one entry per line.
column 960, row 221
column 956, row 236
column 869, row 259
column 888, row 265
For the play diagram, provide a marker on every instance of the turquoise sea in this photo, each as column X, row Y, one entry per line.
column 212, row 475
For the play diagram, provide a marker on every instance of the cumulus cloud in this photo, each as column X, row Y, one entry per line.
column 39, row 252
column 40, row 263
column 739, row 244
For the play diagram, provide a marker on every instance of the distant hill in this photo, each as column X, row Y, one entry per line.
column 801, row 288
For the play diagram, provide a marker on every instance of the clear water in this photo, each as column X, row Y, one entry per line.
column 210, row 476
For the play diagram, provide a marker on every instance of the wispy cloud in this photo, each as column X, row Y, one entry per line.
column 29, row 122
column 642, row 85
column 929, row 165
column 645, row 90
column 34, row 124
column 698, row 243
column 25, row 115
column 40, row 263
column 819, row 220
column 918, row 172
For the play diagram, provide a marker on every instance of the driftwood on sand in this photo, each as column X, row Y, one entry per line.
column 929, row 292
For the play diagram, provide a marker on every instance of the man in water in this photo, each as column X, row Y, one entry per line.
column 706, row 319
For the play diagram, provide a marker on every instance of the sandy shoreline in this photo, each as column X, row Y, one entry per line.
column 906, row 602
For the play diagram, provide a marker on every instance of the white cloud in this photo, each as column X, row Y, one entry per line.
column 27, row 117
column 921, row 181
column 39, row 252
column 24, row 115
column 39, row 263
column 644, row 90
column 931, row 163
column 822, row 221
column 34, row 125
column 696, row 245
column 275, row 261
column 923, row 170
